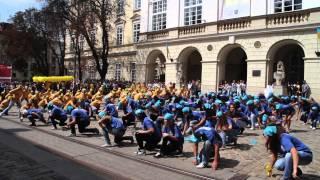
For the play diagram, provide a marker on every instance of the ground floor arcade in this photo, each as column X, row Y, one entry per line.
column 252, row 58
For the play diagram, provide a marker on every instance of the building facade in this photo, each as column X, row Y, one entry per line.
column 217, row 40
column 225, row 40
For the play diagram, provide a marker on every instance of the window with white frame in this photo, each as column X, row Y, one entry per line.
column 119, row 35
column 133, row 72
column 287, row 5
column 118, row 72
column 159, row 17
column 136, row 31
column 120, row 7
column 137, row 4
column 192, row 12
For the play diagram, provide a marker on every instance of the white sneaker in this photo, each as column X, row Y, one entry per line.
column 71, row 135
column 252, row 128
column 201, row 165
column 314, row 128
column 53, row 128
column 158, row 155
column 106, row 145
column 311, row 127
column 141, row 152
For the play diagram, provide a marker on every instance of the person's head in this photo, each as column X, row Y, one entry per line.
column 272, row 135
column 232, row 108
column 186, row 111
column 168, row 119
column 140, row 114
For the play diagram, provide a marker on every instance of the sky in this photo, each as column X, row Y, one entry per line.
column 10, row 7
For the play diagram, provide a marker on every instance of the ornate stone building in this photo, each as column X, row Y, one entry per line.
column 218, row 40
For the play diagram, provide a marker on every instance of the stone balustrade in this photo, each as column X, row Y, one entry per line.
column 283, row 19
column 157, row 35
column 192, row 30
column 234, row 25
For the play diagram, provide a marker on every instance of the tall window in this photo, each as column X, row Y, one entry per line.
column 137, row 4
column 159, row 17
column 120, row 7
column 136, row 31
column 133, row 72
column 287, row 5
column 119, row 35
column 192, row 12
column 118, row 72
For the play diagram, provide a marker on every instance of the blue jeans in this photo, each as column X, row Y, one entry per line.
column 286, row 164
column 6, row 110
column 206, row 152
column 117, row 133
column 253, row 120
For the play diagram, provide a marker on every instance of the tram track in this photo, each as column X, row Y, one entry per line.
column 115, row 153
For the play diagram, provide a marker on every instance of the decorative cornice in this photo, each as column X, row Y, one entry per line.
column 257, row 60
column 207, row 37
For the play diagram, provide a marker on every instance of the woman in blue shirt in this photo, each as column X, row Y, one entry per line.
column 172, row 139
column 149, row 133
column 294, row 152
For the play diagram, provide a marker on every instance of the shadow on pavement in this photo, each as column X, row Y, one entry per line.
column 310, row 176
column 243, row 147
column 228, row 163
column 14, row 130
column 298, row 131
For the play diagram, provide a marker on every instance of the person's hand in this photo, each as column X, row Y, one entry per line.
column 215, row 165
column 139, row 132
column 294, row 174
column 165, row 135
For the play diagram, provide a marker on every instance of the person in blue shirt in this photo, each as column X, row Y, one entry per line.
column 226, row 128
column 172, row 139
column 34, row 114
column 190, row 119
column 211, row 147
column 81, row 118
column 288, row 111
column 304, row 109
column 114, row 126
column 57, row 113
column 128, row 118
column 150, row 133
column 314, row 116
column 293, row 152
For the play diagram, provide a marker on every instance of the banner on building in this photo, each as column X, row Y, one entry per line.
column 234, row 8
column 5, row 72
column 318, row 32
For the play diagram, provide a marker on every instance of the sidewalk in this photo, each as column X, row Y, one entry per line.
column 246, row 161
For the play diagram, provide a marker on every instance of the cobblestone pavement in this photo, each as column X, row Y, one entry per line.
column 20, row 160
column 245, row 161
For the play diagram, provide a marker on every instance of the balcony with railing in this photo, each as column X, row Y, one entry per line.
column 192, row 30
column 288, row 18
column 244, row 24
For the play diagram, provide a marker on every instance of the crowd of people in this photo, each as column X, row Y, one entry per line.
column 165, row 117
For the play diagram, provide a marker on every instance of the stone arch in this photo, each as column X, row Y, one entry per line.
column 292, row 53
column 189, row 63
column 232, row 64
column 155, row 66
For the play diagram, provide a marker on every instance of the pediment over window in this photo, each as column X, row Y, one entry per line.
column 120, row 21
column 135, row 17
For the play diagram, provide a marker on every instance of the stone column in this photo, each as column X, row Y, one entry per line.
column 256, row 76
column 171, row 73
column 209, row 76
column 141, row 72
column 311, row 75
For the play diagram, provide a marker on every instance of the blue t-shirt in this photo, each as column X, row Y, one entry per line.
column 288, row 142
column 111, row 110
column 116, row 123
column 174, row 131
column 80, row 113
column 197, row 115
column 207, row 133
column 148, row 124
column 58, row 113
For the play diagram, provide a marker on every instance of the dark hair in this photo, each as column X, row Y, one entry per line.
column 273, row 142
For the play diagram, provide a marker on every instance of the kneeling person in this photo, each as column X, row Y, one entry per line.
column 81, row 118
column 149, row 133
column 115, row 127
column 172, row 139
column 211, row 147
column 57, row 113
